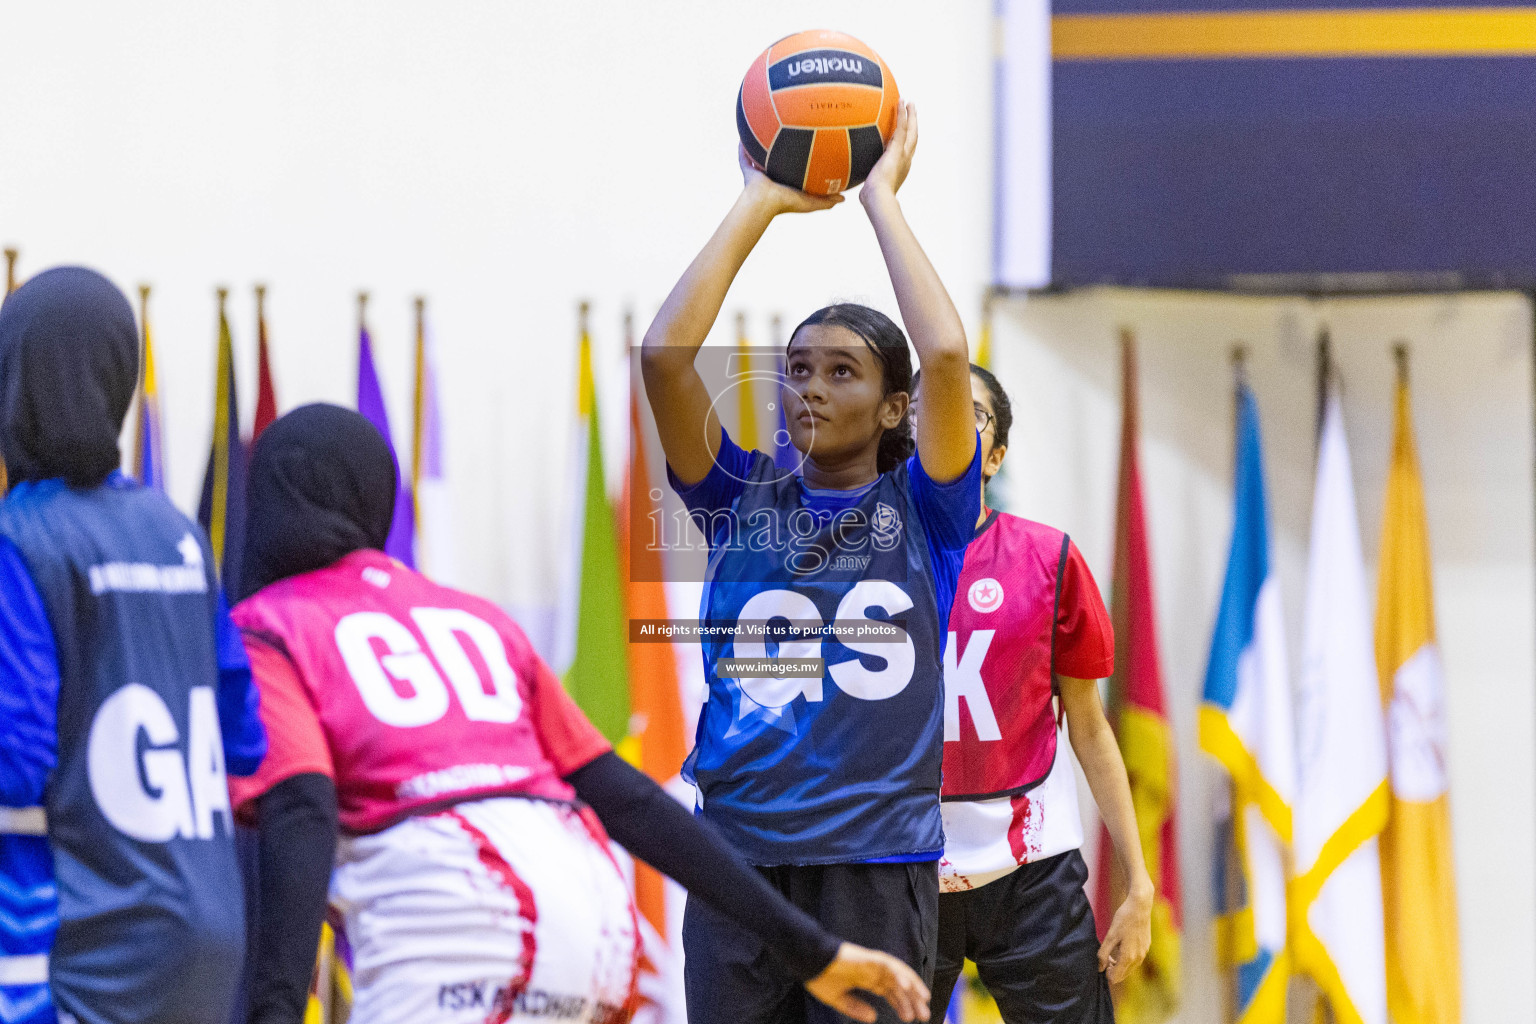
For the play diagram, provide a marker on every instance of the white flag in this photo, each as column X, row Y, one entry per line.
column 1341, row 806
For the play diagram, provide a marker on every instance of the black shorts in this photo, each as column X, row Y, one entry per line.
column 731, row 978
column 1031, row 936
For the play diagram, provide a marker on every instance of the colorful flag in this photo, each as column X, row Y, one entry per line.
column 436, row 553
column 785, row 455
column 657, row 739
column 595, row 633
column 1341, row 801
column 148, row 453
column 984, row 338
column 1245, row 724
column 1138, row 711
column 266, row 394
column 1418, row 877
column 997, row 487
column 221, row 510
column 370, row 402
column 748, row 434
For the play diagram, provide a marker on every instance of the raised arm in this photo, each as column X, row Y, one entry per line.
column 946, row 432
column 685, row 418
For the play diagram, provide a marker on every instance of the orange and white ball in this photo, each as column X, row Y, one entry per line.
column 816, row 110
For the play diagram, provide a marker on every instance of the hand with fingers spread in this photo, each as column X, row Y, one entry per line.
column 879, row 974
column 891, row 169
column 1130, row 933
column 778, row 198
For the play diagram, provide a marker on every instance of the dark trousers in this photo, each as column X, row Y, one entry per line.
column 731, row 978
column 1031, row 936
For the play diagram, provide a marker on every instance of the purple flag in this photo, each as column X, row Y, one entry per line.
column 785, row 455
column 370, row 402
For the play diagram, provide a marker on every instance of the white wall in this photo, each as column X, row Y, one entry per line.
column 506, row 160
column 1471, row 373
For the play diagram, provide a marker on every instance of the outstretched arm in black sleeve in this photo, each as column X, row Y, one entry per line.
column 643, row 819
column 296, row 823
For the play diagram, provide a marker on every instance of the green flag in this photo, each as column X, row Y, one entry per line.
column 598, row 677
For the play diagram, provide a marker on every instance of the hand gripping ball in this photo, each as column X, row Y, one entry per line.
column 816, row 110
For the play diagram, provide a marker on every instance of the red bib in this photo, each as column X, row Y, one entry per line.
column 425, row 696
column 999, row 725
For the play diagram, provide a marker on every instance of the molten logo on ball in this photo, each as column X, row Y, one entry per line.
column 825, row 66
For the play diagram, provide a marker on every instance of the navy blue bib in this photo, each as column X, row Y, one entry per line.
column 843, row 767
column 151, row 912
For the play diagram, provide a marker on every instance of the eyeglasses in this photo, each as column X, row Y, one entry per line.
column 984, row 419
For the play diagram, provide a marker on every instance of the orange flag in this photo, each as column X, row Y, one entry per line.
column 656, row 744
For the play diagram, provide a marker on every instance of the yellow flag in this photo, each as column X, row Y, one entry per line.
column 747, row 434
column 1417, row 871
column 984, row 339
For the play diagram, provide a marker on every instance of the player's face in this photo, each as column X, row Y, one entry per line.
column 991, row 454
column 837, row 410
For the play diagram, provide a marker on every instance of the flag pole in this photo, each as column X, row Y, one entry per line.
column 419, row 401
column 1400, row 357
column 10, row 270
column 1239, row 382
column 143, row 326
column 143, row 368
column 261, row 310
column 1324, row 375
column 362, row 311
column 1131, row 413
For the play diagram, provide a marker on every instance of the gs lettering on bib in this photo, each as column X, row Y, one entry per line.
column 821, row 738
column 999, row 678
column 423, row 694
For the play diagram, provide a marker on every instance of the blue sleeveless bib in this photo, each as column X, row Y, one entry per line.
column 150, row 903
column 843, row 767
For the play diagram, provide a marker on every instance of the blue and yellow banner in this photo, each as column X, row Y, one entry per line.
column 1274, row 146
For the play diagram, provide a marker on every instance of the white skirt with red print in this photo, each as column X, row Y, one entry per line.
column 496, row 910
column 987, row 839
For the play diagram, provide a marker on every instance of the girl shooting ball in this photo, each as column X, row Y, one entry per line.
column 829, row 783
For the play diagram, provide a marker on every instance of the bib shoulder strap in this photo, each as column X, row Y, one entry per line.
column 1061, row 569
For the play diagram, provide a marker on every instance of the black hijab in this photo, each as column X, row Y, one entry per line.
column 322, row 485
column 69, row 362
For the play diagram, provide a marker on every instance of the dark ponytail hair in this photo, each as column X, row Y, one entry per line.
column 889, row 345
